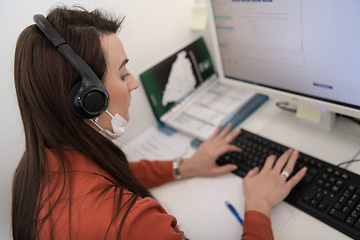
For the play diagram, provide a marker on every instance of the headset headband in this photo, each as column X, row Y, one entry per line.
column 88, row 98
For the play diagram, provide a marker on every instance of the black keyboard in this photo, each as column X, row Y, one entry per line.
column 327, row 192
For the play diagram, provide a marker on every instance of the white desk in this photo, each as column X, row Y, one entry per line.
column 201, row 201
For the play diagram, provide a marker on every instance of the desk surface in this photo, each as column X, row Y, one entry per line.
column 198, row 206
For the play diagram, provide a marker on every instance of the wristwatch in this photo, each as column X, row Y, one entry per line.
column 176, row 168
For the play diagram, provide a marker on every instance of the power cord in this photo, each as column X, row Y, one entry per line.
column 348, row 162
column 283, row 106
column 356, row 120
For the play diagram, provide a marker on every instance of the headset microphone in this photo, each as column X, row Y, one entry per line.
column 88, row 98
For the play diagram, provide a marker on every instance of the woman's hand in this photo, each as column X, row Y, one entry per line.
column 202, row 163
column 265, row 189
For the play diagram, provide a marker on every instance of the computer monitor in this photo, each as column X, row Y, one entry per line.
column 305, row 52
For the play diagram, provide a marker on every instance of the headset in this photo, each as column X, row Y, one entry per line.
column 88, row 98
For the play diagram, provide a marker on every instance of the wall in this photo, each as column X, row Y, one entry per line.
column 153, row 29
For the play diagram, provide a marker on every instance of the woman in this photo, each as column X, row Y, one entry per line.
column 72, row 181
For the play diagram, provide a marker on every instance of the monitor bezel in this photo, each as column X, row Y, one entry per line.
column 294, row 98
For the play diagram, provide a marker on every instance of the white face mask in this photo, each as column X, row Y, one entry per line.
column 118, row 125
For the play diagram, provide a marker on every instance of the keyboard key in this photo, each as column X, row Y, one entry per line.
column 320, row 182
column 339, row 183
column 343, row 199
column 325, row 176
column 335, row 189
column 328, row 185
column 327, row 202
column 332, row 180
column 301, row 165
column 351, row 188
column 337, row 214
column 314, row 202
column 355, row 214
column 357, row 224
column 355, row 198
column 338, row 205
column 345, row 176
column 347, row 193
column 350, row 221
column 319, row 196
column 351, row 203
column 319, row 165
column 312, row 162
column 313, row 171
column 306, row 179
column 357, row 208
column 346, row 210
column 322, row 206
column 306, row 198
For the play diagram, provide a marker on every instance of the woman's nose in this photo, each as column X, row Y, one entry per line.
column 133, row 83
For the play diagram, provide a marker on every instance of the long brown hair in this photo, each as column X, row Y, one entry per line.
column 43, row 79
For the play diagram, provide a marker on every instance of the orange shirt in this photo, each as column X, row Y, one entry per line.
column 91, row 217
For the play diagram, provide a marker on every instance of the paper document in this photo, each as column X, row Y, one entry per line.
column 205, row 109
column 154, row 145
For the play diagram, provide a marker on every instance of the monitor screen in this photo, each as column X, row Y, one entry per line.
column 306, row 48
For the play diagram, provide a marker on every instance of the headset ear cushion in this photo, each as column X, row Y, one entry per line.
column 89, row 102
column 74, row 98
column 94, row 101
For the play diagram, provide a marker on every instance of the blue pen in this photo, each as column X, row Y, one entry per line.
column 232, row 209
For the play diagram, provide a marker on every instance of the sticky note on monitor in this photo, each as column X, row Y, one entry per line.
column 309, row 114
column 199, row 19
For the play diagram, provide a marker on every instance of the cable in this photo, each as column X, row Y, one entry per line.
column 282, row 105
column 279, row 104
column 356, row 120
column 348, row 162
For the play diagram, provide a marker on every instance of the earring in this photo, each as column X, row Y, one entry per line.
column 96, row 119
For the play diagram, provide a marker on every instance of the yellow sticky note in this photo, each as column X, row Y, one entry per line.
column 310, row 114
column 199, row 19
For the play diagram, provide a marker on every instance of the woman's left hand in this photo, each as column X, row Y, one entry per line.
column 202, row 163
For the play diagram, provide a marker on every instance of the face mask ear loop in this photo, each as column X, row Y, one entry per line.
column 94, row 122
column 112, row 117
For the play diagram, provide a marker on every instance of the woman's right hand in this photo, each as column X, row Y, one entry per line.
column 265, row 189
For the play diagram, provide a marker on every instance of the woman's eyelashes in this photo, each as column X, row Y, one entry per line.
column 123, row 78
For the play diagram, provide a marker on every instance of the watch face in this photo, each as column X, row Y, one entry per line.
column 176, row 168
